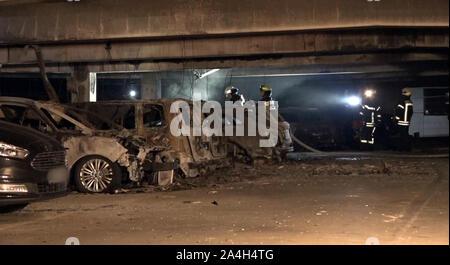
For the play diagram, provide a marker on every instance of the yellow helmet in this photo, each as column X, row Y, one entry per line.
column 265, row 88
column 406, row 92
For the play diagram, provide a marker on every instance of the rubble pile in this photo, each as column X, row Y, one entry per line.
column 308, row 172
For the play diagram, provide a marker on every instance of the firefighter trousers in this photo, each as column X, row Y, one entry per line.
column 367, row 135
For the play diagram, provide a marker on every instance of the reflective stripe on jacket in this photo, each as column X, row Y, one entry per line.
column 403, row 113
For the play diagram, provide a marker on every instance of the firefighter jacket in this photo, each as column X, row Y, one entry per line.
column 370, row 114
column 403, row 112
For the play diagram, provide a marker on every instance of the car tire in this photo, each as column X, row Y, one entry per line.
column 97, row 174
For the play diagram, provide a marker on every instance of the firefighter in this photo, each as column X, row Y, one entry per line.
column 232, row 94
column 371, row 117
column 403, row 114
column 266, row 96
column 283, row 126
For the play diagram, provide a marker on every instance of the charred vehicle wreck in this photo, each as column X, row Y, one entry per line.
column 149, row 120
column 130, row 141
column 100, row 154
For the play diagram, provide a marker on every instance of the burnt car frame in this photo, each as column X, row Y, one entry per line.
column 97, row 157
column 196, row 155
column 150, row 119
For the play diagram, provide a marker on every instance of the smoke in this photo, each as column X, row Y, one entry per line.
column 311, row 91
column 186, row 84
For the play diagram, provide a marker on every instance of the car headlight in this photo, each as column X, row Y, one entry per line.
column 9, row 150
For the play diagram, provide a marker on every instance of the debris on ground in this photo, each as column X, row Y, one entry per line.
column 308, row 172
column 192, row 202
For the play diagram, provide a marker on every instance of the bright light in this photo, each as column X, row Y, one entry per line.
column 132, row 93
column 369, row 93
column 208, row 73
column 353, row 100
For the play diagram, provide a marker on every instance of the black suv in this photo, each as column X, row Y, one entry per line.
column 32, row 166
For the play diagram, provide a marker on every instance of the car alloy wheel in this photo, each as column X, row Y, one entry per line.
column 96, row 175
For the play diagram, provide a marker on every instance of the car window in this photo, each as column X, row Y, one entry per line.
column 24, row 116
column 12, row 113
column 112, row 115
column 435, row 101
column 129, row 119
column 153, row 115
column 60, row 122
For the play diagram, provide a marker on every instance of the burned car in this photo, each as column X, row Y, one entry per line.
column 131, row 140
column 150, row 120
column 195, row 155
column 100, row 154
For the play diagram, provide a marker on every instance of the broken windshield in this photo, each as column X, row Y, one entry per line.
column 88, row 119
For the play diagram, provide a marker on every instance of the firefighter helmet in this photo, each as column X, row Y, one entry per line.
column 406, row 92
column 265, row 88
column 231, row 90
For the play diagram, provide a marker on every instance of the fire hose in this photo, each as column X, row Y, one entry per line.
column 364, row 154
column 361, row 154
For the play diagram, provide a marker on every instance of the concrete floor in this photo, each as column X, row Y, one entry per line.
column 316, row 202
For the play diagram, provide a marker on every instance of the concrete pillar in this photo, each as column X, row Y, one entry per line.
column 79, row 84
column 150, row 86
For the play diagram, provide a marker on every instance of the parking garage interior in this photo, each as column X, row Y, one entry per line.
column 314, row 55
column 307, row 96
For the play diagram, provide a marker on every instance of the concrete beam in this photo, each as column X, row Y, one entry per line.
column 315, row 63
column 242, row 47
column 61, row 21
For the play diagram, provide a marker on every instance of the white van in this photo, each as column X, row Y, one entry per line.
column 430, row 116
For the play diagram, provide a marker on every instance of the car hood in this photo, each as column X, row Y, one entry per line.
column 28, row 138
